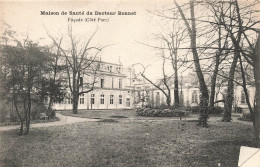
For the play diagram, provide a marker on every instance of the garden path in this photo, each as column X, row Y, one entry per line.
column 64, row 120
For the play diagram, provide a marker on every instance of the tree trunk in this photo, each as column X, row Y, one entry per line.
column 176, row 86
column 204, row 96
column 215, row 72
column 230, row 89
column 213, row 84
column 75, row 103
column 257, row 94
column 28, row 120
column 168, row 100
column 19, row 115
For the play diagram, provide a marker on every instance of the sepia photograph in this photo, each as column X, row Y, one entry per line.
column 130, row 83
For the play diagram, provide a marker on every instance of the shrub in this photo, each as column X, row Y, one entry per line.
column 38, row 108
column 246, row 117
column 238, row 110
column 148, row 112
column 194, row 109
column 216, row 110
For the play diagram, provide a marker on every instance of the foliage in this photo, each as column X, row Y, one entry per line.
column 246, row 117
column 8, row 114
column 216, row 110
column 193, row 109
column 150, row 112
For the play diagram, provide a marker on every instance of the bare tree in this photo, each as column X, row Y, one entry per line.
column 80, row 60
column 173, row 39
column 204, row 96
column 163, row 83
column 257, row 85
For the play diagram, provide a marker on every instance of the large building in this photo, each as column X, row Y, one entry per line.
column 112, row 89
column 117, row 87
column 145, row 93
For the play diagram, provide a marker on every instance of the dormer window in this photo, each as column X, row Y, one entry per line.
column 110, row 68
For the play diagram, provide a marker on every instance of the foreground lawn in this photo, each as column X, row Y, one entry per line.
column 127, row 142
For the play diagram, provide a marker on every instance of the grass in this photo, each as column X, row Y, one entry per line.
column 128, row 142
column 32, row 122
column 99, row 114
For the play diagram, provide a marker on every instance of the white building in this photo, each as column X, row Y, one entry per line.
column 112, row 89
column 117, row 87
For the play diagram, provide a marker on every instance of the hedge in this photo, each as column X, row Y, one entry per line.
column 150, row 112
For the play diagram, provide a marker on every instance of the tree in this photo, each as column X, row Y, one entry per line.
column 80, row 60
column 173, row 40
column 257, row 95
column 25, row 64
column 204, row 96
column 55, row 82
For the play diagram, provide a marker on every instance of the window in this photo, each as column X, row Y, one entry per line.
column 92, row 98
column 110, row 68
column 112, row 82
column 102, row 83
column 81, row 99
column 118, row 69
column 81, row 81
column 194, row 98
column 243, row 98
column 127, row 102
column 102, row 101
column 120, row 83
column 120, row 99
column 111, row 99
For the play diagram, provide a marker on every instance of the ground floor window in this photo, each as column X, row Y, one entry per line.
column 81, row 100
column 194, row 98
column 120, row 99
column 102, row 101
column 111, row 99
column 92, row 98
column 127, row 102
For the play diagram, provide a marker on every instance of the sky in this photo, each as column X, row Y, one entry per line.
column 123, row 34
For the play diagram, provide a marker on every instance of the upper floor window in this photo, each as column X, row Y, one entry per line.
column 81, row 81
column 102, row 83
column 110, row 68
column 112, row 83
column 120, row 84
column 194, row 98
column 118, row 69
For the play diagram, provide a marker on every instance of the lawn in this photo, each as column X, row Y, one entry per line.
column 127, row 142
column 111, row 114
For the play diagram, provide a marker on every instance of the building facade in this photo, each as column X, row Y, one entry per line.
column 112, row 89
column 117, row 87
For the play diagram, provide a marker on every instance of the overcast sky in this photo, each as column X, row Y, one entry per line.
column 123, row 33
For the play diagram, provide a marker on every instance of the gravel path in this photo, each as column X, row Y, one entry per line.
column 64, row 120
